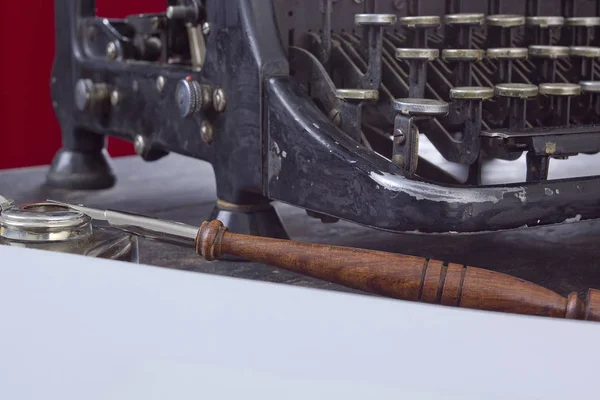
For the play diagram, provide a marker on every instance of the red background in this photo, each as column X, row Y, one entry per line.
column 29, row 132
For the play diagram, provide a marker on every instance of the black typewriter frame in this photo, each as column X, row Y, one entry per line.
column 271, row 142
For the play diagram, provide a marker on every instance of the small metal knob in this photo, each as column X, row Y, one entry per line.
column 189, row 98
column 90, row 96
column 184, row 13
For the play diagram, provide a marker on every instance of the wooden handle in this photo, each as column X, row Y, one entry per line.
column 399, row 276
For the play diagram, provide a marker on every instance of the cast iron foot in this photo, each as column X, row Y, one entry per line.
column 81, row 170
column 256, row 220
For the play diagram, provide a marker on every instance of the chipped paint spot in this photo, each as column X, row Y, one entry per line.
column 550, row 148
column 576, row 218
column 425, row 191
column 548, row 192
column 521, row 196
column 274, row 161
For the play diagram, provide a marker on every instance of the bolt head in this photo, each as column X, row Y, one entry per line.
column 219, row 100
column 111, row 51
column 114, row 98
column 160, row 83
column 139, row 145
column 206, row 132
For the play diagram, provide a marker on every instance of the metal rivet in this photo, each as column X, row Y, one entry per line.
column 399, row 4
column 155, row 23
column 111, row 51
column 114, row 98
column 398, row 159
column 206, row 132
column 206, row 28
column 139, row 144
column 160, row 83
column 219, row 100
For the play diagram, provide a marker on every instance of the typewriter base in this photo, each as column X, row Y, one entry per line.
column 81, row 170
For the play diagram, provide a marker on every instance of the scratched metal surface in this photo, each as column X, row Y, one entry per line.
column 564, row 257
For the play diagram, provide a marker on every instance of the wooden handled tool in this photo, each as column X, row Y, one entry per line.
column 399, row 276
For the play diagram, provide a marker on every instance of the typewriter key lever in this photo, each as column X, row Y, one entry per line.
column 406, row 133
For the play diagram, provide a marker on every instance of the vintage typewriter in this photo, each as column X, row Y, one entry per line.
column 322, row 104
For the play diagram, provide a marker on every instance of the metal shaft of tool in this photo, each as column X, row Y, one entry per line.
column 147, row 227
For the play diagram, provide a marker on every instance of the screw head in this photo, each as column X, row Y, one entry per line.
column 160, row 83
column 399, row 136
column 111, row 51
column 205, row 28
column 219, row 100
column 334, row 115
column 139, row 144
column 206, row 132
column 114, row 98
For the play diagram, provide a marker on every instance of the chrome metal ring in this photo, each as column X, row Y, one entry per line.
column 471, row 93
column 44, row 222
column 551, row 52
column 507, row 53
column 464, row 19
column 545, row 22
column 462, row 54
column 421, row 21
column 590, row 86
column 585, row 51
column 505, row 20
column 357, row 94
column 560, row 89
column 583, row 21
column 417, row 54
column 424, row 107
column 375, row 19
column 516, row 90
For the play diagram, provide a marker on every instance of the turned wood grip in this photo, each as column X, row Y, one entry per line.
column 399, row 276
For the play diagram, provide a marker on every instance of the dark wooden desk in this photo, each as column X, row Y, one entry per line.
column 564, row 257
